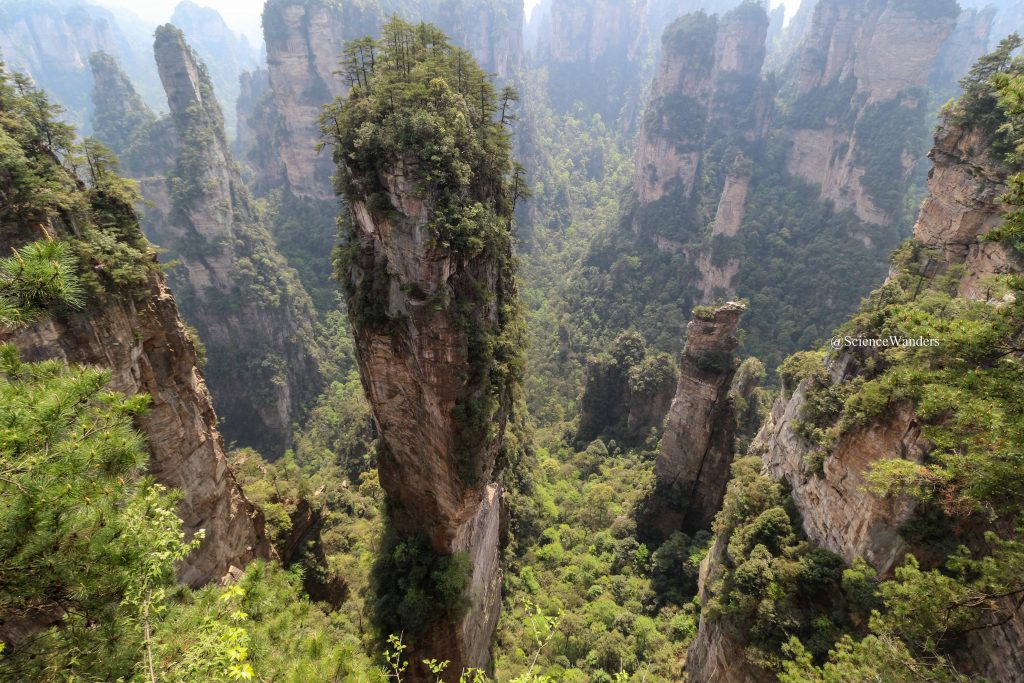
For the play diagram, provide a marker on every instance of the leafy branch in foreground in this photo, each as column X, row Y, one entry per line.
column 34, row 277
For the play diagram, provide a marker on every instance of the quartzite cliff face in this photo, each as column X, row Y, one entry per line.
column 415, row 361
column 706, row 65
column 252, row 313
column 709, row 112
column 428, row 271
column 838, row 509
column 857, row 123
column 137, row 334
column 692, row 469
column 304, row 41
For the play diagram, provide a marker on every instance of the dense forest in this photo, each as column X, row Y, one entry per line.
column 581, row 340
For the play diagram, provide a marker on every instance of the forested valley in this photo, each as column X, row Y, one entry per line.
column 480, row 340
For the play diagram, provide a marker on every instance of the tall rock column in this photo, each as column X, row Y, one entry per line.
column 858, row 121
column 428, row 271
column 251, row 310
column 692, row 469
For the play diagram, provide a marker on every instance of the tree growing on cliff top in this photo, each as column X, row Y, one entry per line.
column 422, row 105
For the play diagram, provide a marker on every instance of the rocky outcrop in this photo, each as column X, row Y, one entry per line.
column 863, row 67
column 260, row 133
column 838, row 509
column 304, row 41
column 147, row 348
column 965, row 186
column 145, row 144
column 692, row 469
column 136, row 332
column 422, row 383
column 715, row 655
column 828, row 484
column 225, row 53
column 52, row 41
column 707, row 66
column 429, row 277
column 709, row 114
column 251, row 311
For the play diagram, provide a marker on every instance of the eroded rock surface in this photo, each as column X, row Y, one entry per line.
column 692, row 469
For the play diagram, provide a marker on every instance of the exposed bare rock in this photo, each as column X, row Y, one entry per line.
column 226, row 53
column 212, row 229
column 829, row 486
column 251, row 312
column 715, row 281
column 259, row 133
column 692, row 469
column 732, row 205
column 592, row 52
column 304, row 42
column 715, row 656
column 965, row 186
column 140, row 338
column 52, row 42
column 422, row 313
column 705, row 65
column 875, row 55
column 838, row 510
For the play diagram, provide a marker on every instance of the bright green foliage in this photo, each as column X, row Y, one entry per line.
column 420, row 104
column 35, row 277
column 1007, row 87
column 584, row 599
column 967, row 390
column 423, row 110
column 84, row 538
column 41, row 168
column 262, row 629
column 772, row 583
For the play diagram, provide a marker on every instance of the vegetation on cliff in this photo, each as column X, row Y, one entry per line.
column 966, row 391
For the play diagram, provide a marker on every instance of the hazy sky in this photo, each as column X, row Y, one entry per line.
column 244, row 15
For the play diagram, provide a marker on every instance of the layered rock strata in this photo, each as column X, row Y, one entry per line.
column 692, row 469
column 838, row 508
column 304, row 41
column 862, row 68
column 136, row 333
column 252, row 313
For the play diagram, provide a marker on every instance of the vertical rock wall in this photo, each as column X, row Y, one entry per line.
column 692, row 469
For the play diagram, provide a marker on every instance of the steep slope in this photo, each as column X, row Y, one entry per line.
column 226, row 54
column 51, row 41
column 896, row 444
column 304, row 43
column 706, row 67
column 858, row 119
column 251, row 311
column 427, row 268
column 130, row 326
column 743, row 183
column 692, row 468
column 249, row 307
